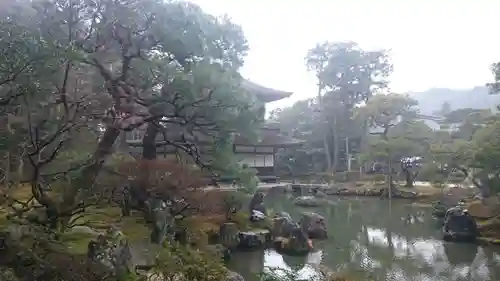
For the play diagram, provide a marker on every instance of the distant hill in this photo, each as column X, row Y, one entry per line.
column 431, row 100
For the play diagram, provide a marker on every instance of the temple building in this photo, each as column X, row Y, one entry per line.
column 258, row 154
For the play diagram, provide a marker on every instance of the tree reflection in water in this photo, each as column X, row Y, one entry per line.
column 383, row 240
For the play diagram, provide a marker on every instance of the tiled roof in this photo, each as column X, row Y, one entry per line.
column 263, row 93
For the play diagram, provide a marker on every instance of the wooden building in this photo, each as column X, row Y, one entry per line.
column 259, row 154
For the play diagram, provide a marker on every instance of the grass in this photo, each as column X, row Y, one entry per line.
column 76, row 243
column 99, row 219
column 134, row 227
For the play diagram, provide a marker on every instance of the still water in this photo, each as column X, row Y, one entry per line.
column 379, row 240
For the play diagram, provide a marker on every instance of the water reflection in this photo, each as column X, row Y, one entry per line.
column 305, row 267
column 379, row 240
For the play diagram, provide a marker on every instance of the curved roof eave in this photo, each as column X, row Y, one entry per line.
column 265, row 94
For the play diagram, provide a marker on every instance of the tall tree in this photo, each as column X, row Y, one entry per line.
column 347, row 75
column 302, row 121
column 113, row 66
column 386, row 115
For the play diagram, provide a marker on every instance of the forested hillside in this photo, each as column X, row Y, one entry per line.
column 431, row 100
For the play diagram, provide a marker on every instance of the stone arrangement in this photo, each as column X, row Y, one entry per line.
column 113, row 252
column 281, row 231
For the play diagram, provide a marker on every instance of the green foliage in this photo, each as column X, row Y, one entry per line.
column 225, row 163
column 396, row 133
column 234, row 202
column 241, row 219
column 391, row 119
column 486, row 156
column 61, row 72
column 183, row 263
column 466, row 121
column 333, row 61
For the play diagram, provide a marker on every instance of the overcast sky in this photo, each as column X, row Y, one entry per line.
column 441, row 43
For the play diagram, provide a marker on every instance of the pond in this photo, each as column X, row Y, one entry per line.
column 379, row 240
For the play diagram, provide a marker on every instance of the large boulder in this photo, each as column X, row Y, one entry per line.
column 459, row 226
column 257, row 203
column 309, row 201
column 282, row 225
column 314, row 225
column 113, row 252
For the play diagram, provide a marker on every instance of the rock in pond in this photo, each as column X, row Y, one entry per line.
column 282, row 225
column 297, row 243
column 293, row 246
column 254, row 238
column 309, row 201
column 314, row 225
column 459, row 226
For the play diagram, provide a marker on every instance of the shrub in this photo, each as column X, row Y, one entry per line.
column 38, row 260
column 242, row 219
column 180, row 184
column 233, row 202
column 183, row 263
